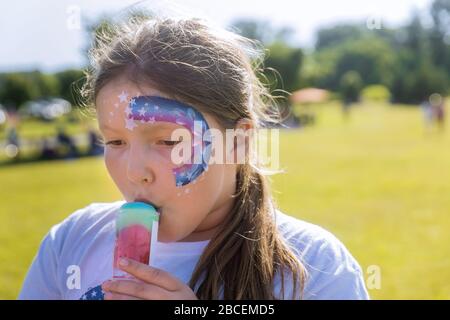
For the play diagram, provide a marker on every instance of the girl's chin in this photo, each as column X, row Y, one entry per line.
column 164, row 236
column 166, row 239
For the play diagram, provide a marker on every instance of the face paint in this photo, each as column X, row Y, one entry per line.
column 149, row 109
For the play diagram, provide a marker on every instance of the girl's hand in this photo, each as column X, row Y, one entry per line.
column 151, row 284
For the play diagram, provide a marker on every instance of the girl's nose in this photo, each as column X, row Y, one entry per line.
column 140, row 168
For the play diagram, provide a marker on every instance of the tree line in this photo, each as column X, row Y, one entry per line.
column 411, row 61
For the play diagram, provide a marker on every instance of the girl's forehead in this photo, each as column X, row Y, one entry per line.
column 120, row 85
column 120, row 109
column 113, row 102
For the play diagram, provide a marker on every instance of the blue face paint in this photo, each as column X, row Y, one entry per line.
column 149, row 109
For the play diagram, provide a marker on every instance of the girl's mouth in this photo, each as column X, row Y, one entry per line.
column 148, row 202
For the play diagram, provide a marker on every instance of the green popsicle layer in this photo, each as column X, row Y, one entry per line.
column 136, row 213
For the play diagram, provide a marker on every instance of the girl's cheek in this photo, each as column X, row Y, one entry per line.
column 111, row 157
column 164, row 154
column 116, row 164
column 168, row 158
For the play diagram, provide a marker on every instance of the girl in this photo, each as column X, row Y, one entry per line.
column 220, row 234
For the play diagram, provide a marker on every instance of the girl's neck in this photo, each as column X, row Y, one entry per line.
column 211, row 224
column 198, row 236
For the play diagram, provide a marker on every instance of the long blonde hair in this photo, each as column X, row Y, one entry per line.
column 216, row 71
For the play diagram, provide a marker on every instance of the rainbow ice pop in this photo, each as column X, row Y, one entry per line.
column 136, row 234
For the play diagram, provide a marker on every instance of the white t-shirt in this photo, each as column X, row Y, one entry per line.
column 81, row 248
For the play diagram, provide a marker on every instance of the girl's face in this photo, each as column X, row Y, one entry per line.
column 138, row 157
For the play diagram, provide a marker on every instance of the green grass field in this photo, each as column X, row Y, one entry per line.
column 377, row 182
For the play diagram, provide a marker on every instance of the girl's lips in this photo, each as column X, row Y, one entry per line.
column 147, row 202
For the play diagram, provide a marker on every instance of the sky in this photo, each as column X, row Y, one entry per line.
column 49, row 35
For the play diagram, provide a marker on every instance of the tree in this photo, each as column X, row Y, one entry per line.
column 417, row 84
column 417, row 74
column 283, row 61
column 370, row 56
column 262, row 31
column 331, row 37
column 440, row 33
column 47, row 85
column 70, row 82
column 16, row 89
column 411, row 61
column 287, row 62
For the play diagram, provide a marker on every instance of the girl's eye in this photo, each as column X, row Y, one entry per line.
column 169, row 143
column 114, row 142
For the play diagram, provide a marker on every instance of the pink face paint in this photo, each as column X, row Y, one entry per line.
column 149, row 109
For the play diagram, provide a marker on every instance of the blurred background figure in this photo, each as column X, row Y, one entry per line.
column 350, row 86
column 66, row 142
column 95, row 144
column 12, row 145
column 436, row 105
column 48, row 151
column 427, row 115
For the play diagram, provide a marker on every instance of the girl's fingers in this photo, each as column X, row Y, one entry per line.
column 151, row 275
column 136, row 289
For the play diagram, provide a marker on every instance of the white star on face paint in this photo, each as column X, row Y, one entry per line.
column 151, row 119
column 133, row 102
column 123, row 96
column 130, row 124
column 128, row 111
column 142, row 111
